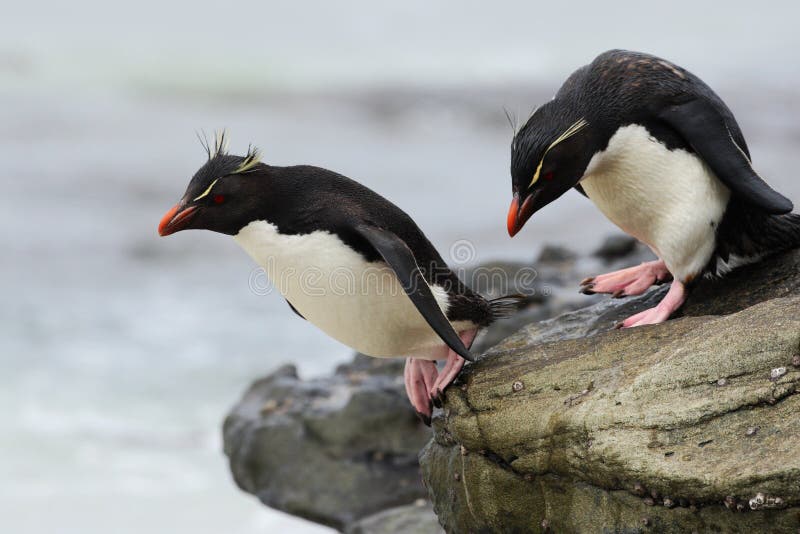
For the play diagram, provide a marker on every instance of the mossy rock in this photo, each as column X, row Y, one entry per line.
column 572, row 426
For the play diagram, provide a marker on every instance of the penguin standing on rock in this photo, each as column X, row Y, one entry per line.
column 663, row 158
column 346, row 259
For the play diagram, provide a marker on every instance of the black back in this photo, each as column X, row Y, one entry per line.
column 302, row 199
column 622, row 87
column 325, row 200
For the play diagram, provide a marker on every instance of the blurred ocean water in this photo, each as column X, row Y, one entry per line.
column 120, row 352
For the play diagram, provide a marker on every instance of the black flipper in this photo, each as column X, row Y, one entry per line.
column 396, row 253
column 579, row 189
column 295, row 310
column 704, row 128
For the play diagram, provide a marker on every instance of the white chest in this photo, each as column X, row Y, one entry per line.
column 359, row 303
column 668, row 199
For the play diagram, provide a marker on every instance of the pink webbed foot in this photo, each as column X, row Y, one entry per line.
column 627, row 282
column 420, row 375
column 451, row 369
column 673, row 300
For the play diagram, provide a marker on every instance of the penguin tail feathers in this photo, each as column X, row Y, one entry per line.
column 508, row 305
column 786, row 230
column 750, row 235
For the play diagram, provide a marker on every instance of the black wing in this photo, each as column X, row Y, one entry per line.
column 705, row 129
column 295, row 310
column 399, row 257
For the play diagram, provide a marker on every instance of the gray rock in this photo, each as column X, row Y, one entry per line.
column 552, row 283
column 499, row 278
column 556, row 254
column 579, row 427
column 331, row 450
column 616, row 246
column 417, row 518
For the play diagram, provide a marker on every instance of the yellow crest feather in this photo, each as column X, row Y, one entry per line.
column 576, row 127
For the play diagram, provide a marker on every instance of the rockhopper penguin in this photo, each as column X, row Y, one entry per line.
column 663, row 158
column 346, row 259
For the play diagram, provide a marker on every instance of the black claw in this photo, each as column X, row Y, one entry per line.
column 426, row 419
column 619, row 325
column 586, row 290
column 587, row 281
column 660, row 281
column 437, row 400
column 618, row 294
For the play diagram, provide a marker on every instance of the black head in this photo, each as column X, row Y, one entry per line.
column 224, row 195
column 548, row 156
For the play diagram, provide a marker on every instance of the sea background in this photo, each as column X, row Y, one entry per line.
column 120, row 352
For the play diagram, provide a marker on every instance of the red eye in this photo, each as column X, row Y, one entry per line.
column 548, row 176
column 219, row 199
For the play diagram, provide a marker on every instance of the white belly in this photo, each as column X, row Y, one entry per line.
column 668, row 199
column 360, row 304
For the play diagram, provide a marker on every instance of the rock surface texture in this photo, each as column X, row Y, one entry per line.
column 572, row 426
column 332, row 450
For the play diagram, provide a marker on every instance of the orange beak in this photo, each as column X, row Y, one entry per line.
column 175, row 219
column 518, row 216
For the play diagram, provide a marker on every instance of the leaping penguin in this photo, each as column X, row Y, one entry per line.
column 663, row 158
column 346, row 259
